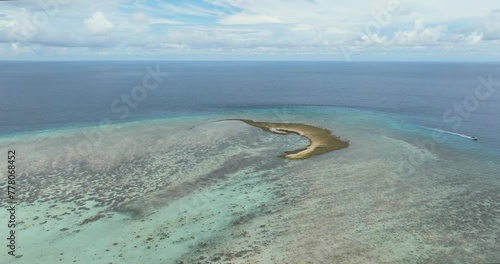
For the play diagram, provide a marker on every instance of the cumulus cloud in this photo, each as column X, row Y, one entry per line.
column 232, row 26
column 474, row 37
column 98, row 24
column 419, row 35
column 422, row 35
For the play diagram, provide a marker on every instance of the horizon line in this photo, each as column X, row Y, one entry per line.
column 215, row 60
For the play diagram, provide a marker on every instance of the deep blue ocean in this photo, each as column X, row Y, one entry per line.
column 48, row 95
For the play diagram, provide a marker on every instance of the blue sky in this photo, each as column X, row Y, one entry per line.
column 423, row 30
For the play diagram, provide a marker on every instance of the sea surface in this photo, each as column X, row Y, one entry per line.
column 134, row 162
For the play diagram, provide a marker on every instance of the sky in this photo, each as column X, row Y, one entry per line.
column 355, row 30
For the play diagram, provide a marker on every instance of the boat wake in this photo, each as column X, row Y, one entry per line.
column 451, row 133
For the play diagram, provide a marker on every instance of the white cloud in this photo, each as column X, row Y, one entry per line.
column 374, row 39
column 187, row 9
column 419, row 35
column 98, row 24
column 139, row 18
column 301, row 27
column 140, row 22
column 232, row 26
column 159, row 21
column 475, row 37
column 249, row 19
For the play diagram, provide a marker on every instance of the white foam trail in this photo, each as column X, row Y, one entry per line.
column 451, row 133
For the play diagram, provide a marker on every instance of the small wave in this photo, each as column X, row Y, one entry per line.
column 451, row 133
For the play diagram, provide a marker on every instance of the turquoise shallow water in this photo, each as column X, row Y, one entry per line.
column 193, row 190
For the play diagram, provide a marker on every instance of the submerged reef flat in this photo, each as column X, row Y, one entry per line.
column 190, row 190
column 321, row 140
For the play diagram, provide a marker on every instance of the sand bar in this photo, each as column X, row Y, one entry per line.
column 321, row 140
